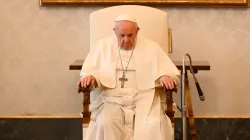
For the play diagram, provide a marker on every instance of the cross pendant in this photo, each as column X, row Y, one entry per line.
column 123, row 79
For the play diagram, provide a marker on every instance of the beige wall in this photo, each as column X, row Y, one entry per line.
column 37, row 44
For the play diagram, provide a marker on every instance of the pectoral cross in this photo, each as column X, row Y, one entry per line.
column 123, row 79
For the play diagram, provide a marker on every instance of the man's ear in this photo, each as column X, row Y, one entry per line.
column 138, row 28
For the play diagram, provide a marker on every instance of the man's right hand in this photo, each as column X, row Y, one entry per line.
column 88, row 80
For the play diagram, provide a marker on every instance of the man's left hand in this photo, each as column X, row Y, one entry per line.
column 168, row 82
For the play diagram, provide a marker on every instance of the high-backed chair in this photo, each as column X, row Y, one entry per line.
column 153, row 24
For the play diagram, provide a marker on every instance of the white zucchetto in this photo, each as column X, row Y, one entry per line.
column 125, row 17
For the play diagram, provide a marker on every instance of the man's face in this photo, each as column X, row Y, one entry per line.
column 126, row 33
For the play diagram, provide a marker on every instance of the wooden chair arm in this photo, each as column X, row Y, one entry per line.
column 169, row 101
column 83, row 90
column 86, row 101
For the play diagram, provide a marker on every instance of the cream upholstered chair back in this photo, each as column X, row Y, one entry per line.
column 153, row 23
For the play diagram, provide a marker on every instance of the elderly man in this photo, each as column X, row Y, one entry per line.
column 125, row 70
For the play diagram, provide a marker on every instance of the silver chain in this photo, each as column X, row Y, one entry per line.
column 121, row 58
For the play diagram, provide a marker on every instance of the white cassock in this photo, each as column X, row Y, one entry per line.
column 135, row 112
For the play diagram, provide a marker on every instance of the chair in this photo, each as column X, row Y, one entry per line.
column 153, row 24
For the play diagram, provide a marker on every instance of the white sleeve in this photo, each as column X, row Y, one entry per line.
column 83, row 74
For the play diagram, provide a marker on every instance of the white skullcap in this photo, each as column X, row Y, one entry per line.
column 126, row 17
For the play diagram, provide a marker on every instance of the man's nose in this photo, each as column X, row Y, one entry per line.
column 126, row 39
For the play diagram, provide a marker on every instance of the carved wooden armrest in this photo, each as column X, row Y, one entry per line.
column 86, row 101
column 83, row 90
column 169, row 95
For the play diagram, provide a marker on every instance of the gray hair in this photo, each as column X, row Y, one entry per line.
column 117, row 24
